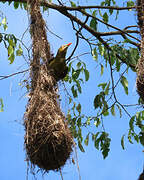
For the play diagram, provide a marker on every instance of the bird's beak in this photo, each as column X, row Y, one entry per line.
column 68, row 44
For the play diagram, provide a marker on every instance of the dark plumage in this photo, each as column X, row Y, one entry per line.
column 58, row 63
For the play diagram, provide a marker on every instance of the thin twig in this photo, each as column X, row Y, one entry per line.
column 61, row 174
column 77, row 39
column 53, row 33
column 77, row 161
column 113, row 87
column 10, row 75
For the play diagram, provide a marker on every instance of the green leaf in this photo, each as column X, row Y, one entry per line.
column 93, row 24
column 25, row 6
column 103, row 85
column 120, row 111
column 74, row 91
column 117, row 13
column 131, row 123
column 130, row 3
column 70, row 100
column 105, row 17
column 122, row 141
column 97, row 142
column 107, row 89
column 10, row 50
column 94, row 13
column 78, row 87
column 79, row 122
column 86, row 141
column 12, row 43
column 113, row 2
column 75, row 74
column 80, row 146
column 4, row 21
column 97, row 122
column 129, row 137
column 78, row 108
column 104, row 144
column 1, row 37
column 79, row 65
column 80, row 137
column 111, row 11
column 101, row 49
column 95, row 54
column 86, row 72
column 19, row 52
column 102, row 69
column 113, row 110
column 141, row 138
column 1, row 105
column 118, row 65
column 124, row 82
column 105, row 112
column 11, row 58
column 88, row 121
column 16, row 5
column 94, row 136
column 72, row 4
column 112, row 58
column 136, row 137
column 133, row 56
column 97, row 101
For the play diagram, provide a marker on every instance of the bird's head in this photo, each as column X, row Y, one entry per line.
column 63, row 50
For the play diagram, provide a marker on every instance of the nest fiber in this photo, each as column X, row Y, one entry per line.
column 48, row 141
column 140, row 65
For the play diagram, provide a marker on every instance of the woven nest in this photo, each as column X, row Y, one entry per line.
column 140, row 78
column 48, row 141
column 140, row 65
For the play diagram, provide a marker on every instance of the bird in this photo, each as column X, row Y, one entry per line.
column 58, row 63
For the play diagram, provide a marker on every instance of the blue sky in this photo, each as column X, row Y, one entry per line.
column 120, row 164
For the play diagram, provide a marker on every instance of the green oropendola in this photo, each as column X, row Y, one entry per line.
column 58, row 63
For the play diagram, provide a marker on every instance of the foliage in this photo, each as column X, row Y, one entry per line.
column 105, row 102
column 1, row 105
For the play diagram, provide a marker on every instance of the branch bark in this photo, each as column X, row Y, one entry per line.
column 118, row 32
column 52, row 5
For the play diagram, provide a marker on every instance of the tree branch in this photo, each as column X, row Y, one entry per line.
column 122, row 31
column 94, row 33
column 98, row 7
column 118, row 32
column 79, row 8
column 52, row 5
column 63, row 10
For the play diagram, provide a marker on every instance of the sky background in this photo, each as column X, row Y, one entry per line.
column 120, row 164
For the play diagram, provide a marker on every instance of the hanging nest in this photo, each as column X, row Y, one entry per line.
column 140, row 78
column 140, row 65
column 48, row 141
